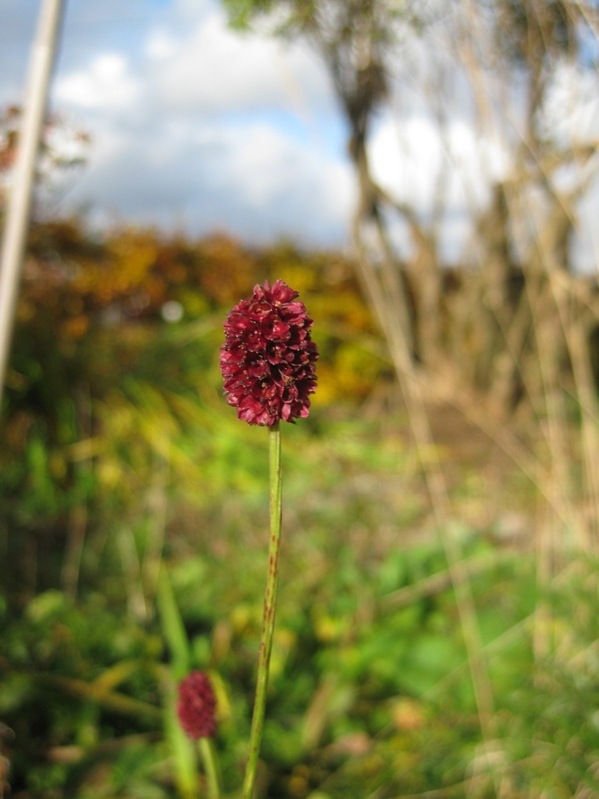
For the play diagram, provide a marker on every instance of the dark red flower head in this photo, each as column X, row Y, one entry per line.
column 268, row 357
column 197, row 706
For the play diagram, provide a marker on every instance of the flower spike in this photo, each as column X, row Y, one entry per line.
column 267, row 360
column 196, row 707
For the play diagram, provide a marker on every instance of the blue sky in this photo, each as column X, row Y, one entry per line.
column 193, row 125
column 196, row 127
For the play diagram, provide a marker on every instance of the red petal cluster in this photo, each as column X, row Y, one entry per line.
column 197, row 706
column 267, row 360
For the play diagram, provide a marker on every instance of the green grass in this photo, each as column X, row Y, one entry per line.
column 371, row 693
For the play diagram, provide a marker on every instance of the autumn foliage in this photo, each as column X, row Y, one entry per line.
column 92, row 307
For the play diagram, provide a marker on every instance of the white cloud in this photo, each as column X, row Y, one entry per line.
column 202, row 127
column 571, row 115
column 275, row 172
column 405, row 156
column 414, row 161
column 160, row 46
column 104, row 84
column 214, row 69
column 252, row 180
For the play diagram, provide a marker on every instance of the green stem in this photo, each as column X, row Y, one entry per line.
column 268, row 617
column 210, row 768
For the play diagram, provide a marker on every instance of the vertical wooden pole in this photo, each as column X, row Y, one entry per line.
column 19, row 197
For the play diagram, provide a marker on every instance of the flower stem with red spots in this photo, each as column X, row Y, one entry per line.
column 268, row 618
